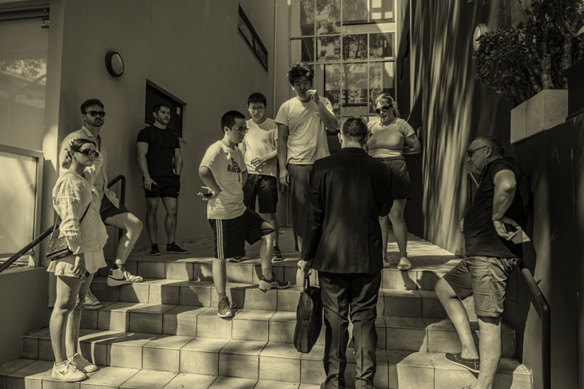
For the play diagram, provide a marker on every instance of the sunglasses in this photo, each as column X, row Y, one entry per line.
column 96, row 113
column 89, row 152
column 385, row 108
column 470, row 152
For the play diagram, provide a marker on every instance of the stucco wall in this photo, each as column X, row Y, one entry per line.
column 191, row 49
column 23, row 300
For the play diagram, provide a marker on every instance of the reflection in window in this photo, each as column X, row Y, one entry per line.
column 381, row 45
column 329, row 48
column 328, row 16
column 352, row 44
column 381, row 80
column 18, row 199
column 23, row 69
column 302, row 49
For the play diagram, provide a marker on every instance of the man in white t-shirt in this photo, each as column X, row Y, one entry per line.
column 223, row 172
column 302, row 124
column 259, row 149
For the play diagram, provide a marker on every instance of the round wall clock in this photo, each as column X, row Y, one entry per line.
column 114, row 63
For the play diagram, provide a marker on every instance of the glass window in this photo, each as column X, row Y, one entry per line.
column 352, row 46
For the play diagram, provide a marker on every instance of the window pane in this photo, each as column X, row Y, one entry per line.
column 381, row 80
column 381, row 45
column 302, row 50
column 355, row 47
column 381, row 10
column 329, row 48
column 354, row 11
column 328, row 16
column 302, row 17
column 18, row 198
column 355, row 88
column 23, row 70
column 333, row 81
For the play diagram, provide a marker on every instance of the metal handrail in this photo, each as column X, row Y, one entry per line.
column 543, row 310
column 48, row 232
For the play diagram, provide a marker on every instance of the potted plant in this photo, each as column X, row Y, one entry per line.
column 529, row 59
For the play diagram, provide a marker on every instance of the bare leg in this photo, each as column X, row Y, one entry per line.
column 266, row 250
column 132, row 227
column 171, row 205
column 490, row 348
column 384, row 238
column 400, row 230
column 459, row 318
column 67, row 291
column 74, row 322
column 273, row 220
column 151, row 221
column 219, row 277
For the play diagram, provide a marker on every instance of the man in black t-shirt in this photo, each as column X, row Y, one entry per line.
column 493, row 231
column 160, row 159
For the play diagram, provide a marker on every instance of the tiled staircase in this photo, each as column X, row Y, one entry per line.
column 164, row 332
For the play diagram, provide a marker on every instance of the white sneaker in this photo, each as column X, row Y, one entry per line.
column 67, row 372
column 82, row 364
column 91, row 302
column 120, row 276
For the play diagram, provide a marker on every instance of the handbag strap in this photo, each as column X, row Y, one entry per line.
column 58, row 219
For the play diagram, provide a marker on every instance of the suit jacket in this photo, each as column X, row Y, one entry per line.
column 349, row 192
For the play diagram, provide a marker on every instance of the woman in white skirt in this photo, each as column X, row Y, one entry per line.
column 74, row 196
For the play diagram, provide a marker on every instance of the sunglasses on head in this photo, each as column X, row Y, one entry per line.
column 96, row 113
column 385, row 108
column 88, row 152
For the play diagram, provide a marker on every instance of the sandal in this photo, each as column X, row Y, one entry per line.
column 404, row 266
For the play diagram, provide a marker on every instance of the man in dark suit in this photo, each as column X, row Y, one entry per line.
column 349, row 191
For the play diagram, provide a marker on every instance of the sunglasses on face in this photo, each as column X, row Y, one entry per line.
column 470, row 152
column 89, row 152
column 385, row 108
column 96, row 113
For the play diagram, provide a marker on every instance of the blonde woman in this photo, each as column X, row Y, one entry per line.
column 77, row 205
column 389, row 138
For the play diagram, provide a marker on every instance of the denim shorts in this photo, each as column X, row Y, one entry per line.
column 486, row 279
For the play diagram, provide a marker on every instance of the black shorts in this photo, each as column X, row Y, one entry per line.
column 266, row 190
column 168, row 186
column 401, row 186
column 230, row 234
column 107, row 209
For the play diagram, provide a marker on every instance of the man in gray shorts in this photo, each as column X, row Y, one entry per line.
column 493, row 250
column 112, row 213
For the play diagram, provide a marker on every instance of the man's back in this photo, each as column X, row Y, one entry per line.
column 349, row 190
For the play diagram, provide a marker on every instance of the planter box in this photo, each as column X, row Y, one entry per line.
column 543, row 111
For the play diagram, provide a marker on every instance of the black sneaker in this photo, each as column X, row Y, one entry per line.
column 472, row 365
column 225, row 308
column 154, row 250
column 266, row 285
column 173, row 248
column 277, row 254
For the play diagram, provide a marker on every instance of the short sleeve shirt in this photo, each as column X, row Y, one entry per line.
column 161, row 146
column 479, row 232
column 307, row 140
column 387, row 140
column 227, row 166
column 259, row 141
